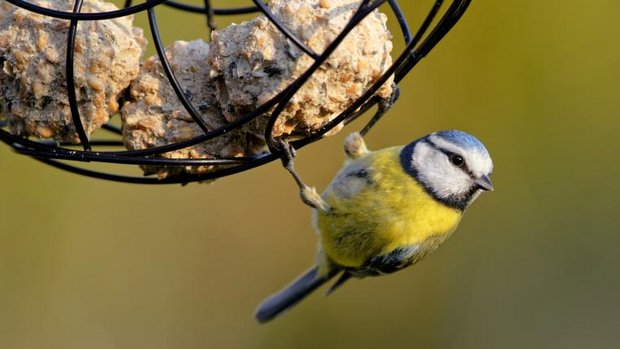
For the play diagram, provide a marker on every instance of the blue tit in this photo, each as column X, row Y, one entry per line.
column 388, row 209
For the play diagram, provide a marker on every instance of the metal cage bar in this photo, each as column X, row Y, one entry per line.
column 63, row 155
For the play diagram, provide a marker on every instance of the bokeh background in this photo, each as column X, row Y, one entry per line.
column 86, row 263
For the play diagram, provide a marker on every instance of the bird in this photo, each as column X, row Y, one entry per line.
column 386, row 210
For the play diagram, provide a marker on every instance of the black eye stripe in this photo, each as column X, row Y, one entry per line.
column 449, row 154
column 465, row 168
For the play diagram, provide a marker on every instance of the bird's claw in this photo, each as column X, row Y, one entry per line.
column 288, row 153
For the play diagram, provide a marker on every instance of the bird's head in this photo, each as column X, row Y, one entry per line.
column 453, row 166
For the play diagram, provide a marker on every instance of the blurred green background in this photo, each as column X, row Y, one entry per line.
column 86, row 263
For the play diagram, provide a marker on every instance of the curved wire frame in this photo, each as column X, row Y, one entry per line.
column 59, row 154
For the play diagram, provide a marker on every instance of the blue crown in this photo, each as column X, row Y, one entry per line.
column 462, row 139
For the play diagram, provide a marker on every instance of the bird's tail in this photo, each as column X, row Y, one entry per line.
column 292, row 294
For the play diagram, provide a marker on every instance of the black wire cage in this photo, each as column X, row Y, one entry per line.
column 437, row 22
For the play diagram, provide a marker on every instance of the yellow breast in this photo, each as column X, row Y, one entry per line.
column 392, row 211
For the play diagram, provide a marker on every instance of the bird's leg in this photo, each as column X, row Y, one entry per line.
column 383, row 106
column 308, row 194
column 354, row 146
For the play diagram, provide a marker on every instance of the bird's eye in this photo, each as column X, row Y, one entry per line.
column 457, row 160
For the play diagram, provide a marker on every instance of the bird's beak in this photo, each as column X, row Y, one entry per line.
column 485, row 183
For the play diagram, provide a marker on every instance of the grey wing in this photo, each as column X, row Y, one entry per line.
column 351, row 180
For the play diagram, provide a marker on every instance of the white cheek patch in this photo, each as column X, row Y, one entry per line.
column 479, row 164
column 437, row 173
